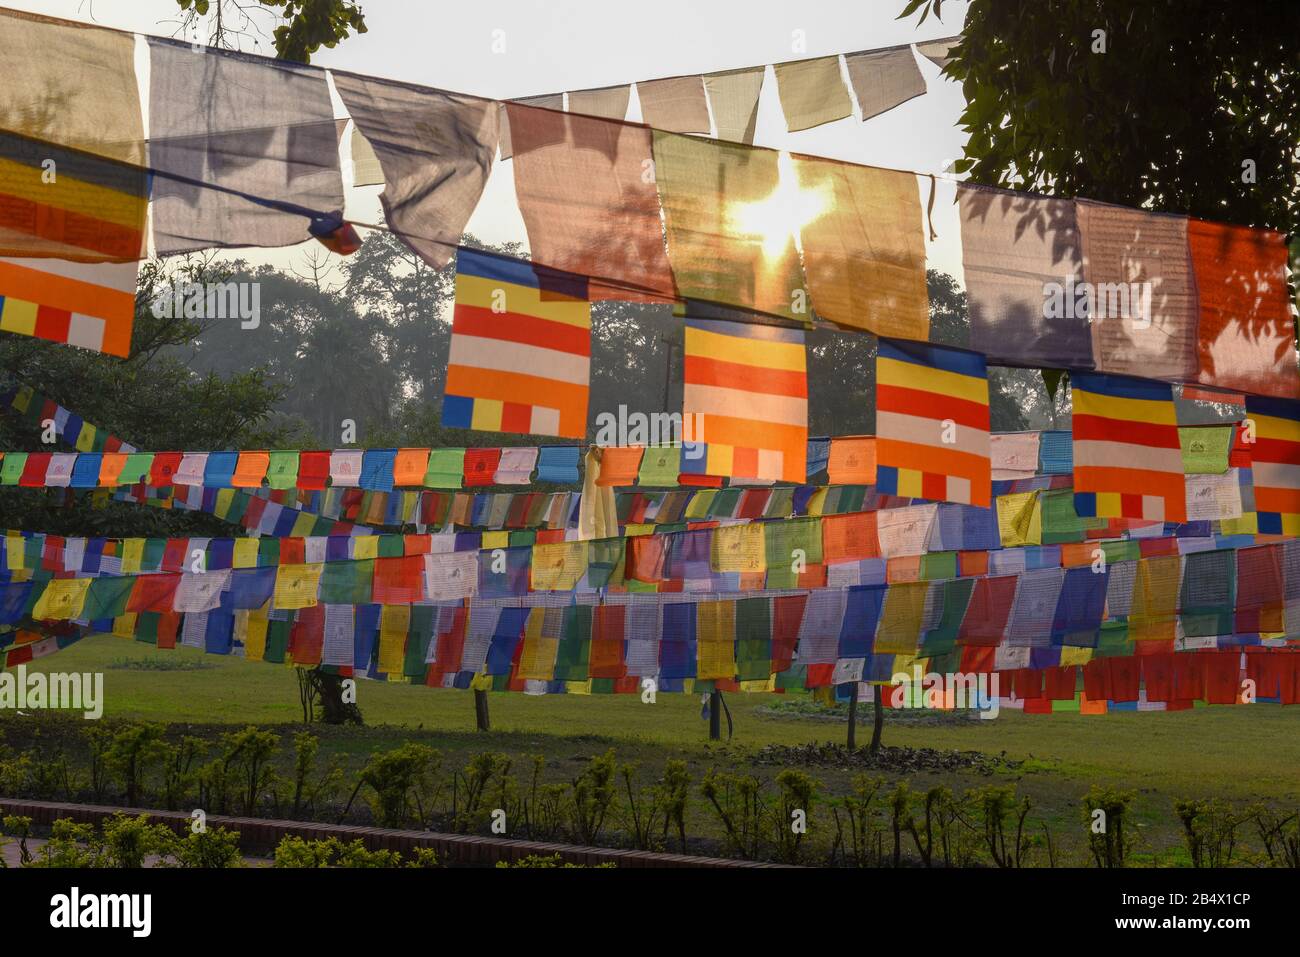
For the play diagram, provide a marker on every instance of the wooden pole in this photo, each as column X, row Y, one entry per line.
column 853, row 717
column 481, row 716
column 880, row 718
column 715, row 715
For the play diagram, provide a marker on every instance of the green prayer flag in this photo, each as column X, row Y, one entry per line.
column 347, row 583
column 11, row 468
column 936, row 566
column 146, row 627
column 573, row 654
column 446, row 468
column 277, row 641
column 107, row 597
column 1205, row 448
column 136, row 468
column 660, row 465
column 283, row 471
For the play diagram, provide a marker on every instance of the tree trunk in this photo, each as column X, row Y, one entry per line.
column 879, row 725
column 329, row 692
column 853, row 717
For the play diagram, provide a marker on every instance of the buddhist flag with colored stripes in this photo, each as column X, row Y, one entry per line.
column 520, row 357
column 91, row 305
column 1275, row 462
column 746, row 400
column 56, row 201
column 932, row 423
column 1128, row 462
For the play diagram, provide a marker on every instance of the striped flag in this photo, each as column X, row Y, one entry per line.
column 91, row 305
column 1275, row 461
column 932, row 423
column 746, row 400
column 520, row 357
column 1128, row 462
column 57, row 201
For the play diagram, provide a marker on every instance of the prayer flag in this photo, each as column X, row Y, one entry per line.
column 513, row 349
column 89, row 305
column 863, row 247
column 1244, row 330
column 812, row 92
column 884, row 79
column 1275, row 459
column 1023, row 262
column 586, row 202
column 436, row 151
column 1128, row 461
column 746, row 399
column 932, row 423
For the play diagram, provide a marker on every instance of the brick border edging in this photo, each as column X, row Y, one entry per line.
column 265, row 833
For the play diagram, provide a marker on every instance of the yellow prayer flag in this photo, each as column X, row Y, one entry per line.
column 296, row 586
column 246, row 550
column 132, row 555
column 62, row 599
column 558, row 566
column 1020, row 519
column 394, row 623
column 739, row 548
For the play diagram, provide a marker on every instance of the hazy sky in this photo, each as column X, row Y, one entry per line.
column 556, row 45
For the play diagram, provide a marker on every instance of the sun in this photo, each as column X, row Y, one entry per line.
column 777, row 218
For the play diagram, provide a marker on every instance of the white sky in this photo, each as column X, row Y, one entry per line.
column 556, row 45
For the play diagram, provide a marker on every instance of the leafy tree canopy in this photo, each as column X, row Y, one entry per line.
column 1173, row 105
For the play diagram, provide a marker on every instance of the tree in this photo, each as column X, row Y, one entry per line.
column 304, row 26
column 1158, row 105
column 150, row 399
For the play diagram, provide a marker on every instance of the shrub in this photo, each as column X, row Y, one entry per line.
column 246, row 757
column 796, row 792
column 128, row 840
column 1002, row 817
column 593, row 791
column 19, row 826
column 130, row 752
column 178, row 771
column 71, row 845
column 864, row 846
column 1279, row 835
column 396, row 779
column 486, row 777
column 312, row 785
column 1109, row 844
column 209, row 848
column 331, row 852
column 737, row 801
column 1209, row 831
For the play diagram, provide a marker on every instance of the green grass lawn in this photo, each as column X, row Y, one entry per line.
column 1236, row 753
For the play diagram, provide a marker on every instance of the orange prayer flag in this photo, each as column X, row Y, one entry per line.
column 849, row 537
column 250, row 469
column 852, row 461
column 110, row 467
column 410, row 467
column 619, row 465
